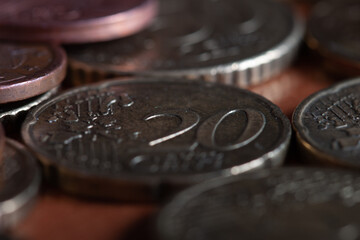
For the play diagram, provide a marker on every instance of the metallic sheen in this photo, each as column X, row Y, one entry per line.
column 229, row 41
column 19, row 183
column 69, row 21
column 327, row 124
column 125, row 139
column 284, row 203
column 28, row 70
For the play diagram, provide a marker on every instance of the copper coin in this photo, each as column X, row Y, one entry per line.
column 128, row 139
column 27, row 70
column 69, row 21
column 2, row 141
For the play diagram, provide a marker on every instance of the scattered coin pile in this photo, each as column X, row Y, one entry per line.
column 136, row 101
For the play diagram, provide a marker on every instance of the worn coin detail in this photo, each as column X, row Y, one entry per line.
column 327, row 124
column 28, row 70
column 151, row 132
column 284, row 203
column 19, row 183
column 69, row 21
column 229, row 41
column 334, row 30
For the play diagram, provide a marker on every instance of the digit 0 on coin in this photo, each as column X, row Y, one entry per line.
column 229, row 41
column 126, row 139
column 284, row 203
column 19, row 184
column 327, row 124
column 28, row 70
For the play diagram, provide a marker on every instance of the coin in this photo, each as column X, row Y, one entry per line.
column 284, row 203
column 326, row 124
column 334, row 31
column 228, row 41
column 69, row 21
column 127, row 139
column 2, row 141
column 19, row 183
column 27, row 70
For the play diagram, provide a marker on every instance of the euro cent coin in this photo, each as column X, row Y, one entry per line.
column 334, row 32
column 127, row 139
column 327, row 124
column 28, row 70
column 235, row 42
column 322, row 203
column 69, row 21
column 19, row 184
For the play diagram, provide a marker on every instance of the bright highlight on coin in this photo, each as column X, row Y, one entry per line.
column 19, row 183
column 327, row 124
column 140, row 134
column 28, row 70
column 68, row 21
column 284, row 203
column 244, row 43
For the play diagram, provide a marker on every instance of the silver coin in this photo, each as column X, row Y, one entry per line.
column 144, row 134
column 327, row 124
column 284, row 203
column 19, row 183
column 229, row 41
column 334, row 30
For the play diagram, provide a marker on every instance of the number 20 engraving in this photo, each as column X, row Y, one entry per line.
column 206, row 132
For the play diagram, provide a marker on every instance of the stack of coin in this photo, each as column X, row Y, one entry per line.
column 167, row 121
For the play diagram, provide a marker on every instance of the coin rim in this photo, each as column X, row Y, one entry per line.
column 85, row 31
column 243, row 72
column 24, row 200
column 41, row 81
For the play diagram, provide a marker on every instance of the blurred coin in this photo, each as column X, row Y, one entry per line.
column 126, row 139
column 228, row 41
column 327, row 124
column 27, row 70
column 285, row 203
column 334, row 31
column 2, row 141
column 20, row 180
column 69, row 21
